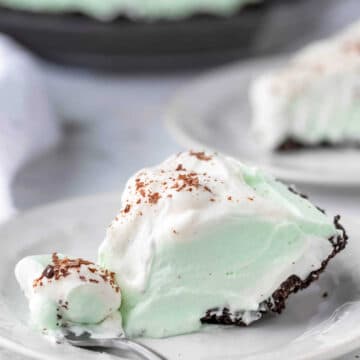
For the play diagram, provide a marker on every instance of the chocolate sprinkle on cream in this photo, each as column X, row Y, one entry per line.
column 149, row 191
column 200, row 155
column 61, row 268
column 48, row 272
column 154, row 198
column 180, row 168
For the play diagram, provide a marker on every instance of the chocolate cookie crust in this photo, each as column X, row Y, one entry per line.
column 277, row 302
column 292, row 144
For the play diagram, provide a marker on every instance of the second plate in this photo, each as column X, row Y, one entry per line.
column 214, row 112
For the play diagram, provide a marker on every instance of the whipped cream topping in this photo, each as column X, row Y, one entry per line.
column 65, row 292
column 324, row 58
column 173, row 202
column 314, row 98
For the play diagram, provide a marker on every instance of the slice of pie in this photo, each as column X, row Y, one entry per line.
column 312, row 101
column 202, row 238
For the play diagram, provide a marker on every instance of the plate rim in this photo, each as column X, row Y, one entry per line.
column 175, row 109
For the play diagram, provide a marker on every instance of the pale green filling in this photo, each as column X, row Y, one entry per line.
column 222, row 266
column 44, row 314
column 44, row 260
column 84, row 306
column 187, row 280
column 138, row 8
column 327, row 112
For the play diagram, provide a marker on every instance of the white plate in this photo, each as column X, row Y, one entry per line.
column 214, row 112
column 312, row 327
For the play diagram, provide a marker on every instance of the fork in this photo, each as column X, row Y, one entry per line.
column 121, row 343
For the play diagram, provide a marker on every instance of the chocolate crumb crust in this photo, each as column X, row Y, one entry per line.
column 293, row 284
column 277, row 302
column 292, row 144
column 296, row 192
